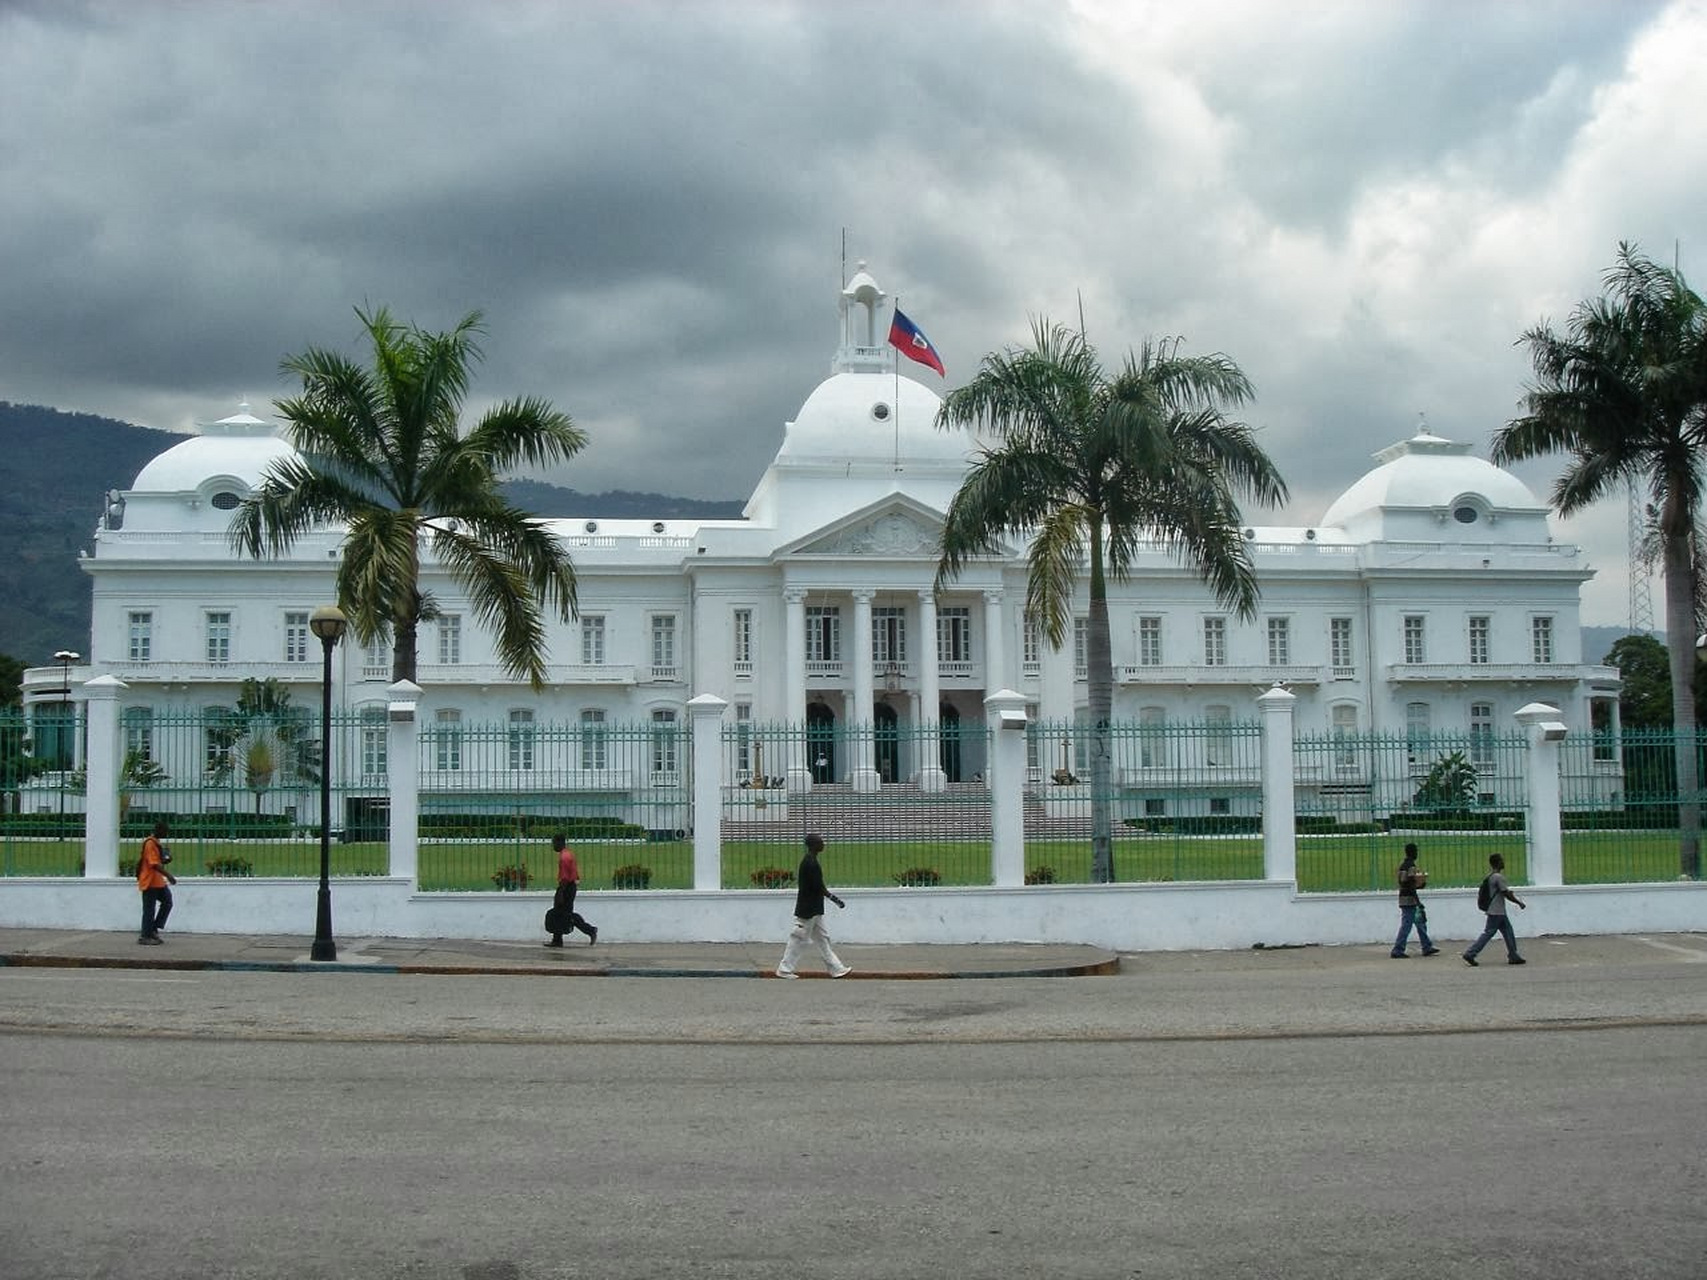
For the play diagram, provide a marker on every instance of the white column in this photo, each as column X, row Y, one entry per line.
column 707, row 820
column 101, row 777
column 1543, row 836
column 995, row 644
column 403, row 786
column 794, row 682
column 1279, row 827
column 864, row 773
column 1004, row 712
column 931, row 776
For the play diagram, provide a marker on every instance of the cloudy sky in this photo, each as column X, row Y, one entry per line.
column 1363, row 203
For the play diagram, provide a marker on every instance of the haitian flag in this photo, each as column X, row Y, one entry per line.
column 906, row 338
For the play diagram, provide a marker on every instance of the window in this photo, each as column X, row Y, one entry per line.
column 1479, row 626
column 1215, row 642
column 1279, row 642
column 888, row 637
column 1482, row 734
column 220, row 729
column 1081, row 647
column 1541, row 639
column 1155, row 808
column 592, row 640
column 140, row 631
column 1149, row 642
column 1345, row 735
column 447, row 740
column 1220, row 804
column 1416, row 635
column 521, row 739
column 1604, row 727
column 1152, row 739
column 594, row 753
column 823, row 633
column 373, row 744
column 1218, row 736
column 450, row 639
column 663, row 646
column 218, row 636
column 1031, row 645
column 296, row 637
column 663, row 743
column 1417, row 718
column 376, row 658
column 954, row 635
column 743, row 642
column 138, row 734
column 743, row 740
column 1339, row 649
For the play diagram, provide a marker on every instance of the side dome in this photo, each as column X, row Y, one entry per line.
column 1429, row 480
column 237, row 449
column 871, row 417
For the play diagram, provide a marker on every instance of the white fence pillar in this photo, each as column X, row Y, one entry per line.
column 101, row 781
column 1004, row 712
column 403, row 764
column 707, row 816
column 1542, row 836
column 1279, row 807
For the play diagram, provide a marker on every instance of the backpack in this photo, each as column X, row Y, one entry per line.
column 1485, row 894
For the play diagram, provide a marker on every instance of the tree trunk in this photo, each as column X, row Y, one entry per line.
column 1099, row 679
column 1680, row 645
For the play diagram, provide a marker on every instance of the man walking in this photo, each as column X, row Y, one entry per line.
column 1499, row 893
column 153, row 878
column 809, row 915
column 563, row 906
column 1411, row 912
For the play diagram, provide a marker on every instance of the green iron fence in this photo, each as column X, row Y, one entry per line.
column 1184, row 799
column 1620, row 805
column 492, row 796
column 880, row 825
column 41, row 791
column 1359, row 798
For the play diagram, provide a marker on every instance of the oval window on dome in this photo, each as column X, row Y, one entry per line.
column 225, row 500
column 1464, row 513
column 880, row 411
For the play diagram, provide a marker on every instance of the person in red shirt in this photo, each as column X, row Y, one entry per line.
column 568, row 880
column 153, row 878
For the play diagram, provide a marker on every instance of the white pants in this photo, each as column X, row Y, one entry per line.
column 804, row 932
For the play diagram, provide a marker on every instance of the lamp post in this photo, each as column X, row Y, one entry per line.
column 64, row 657
column 327, row 622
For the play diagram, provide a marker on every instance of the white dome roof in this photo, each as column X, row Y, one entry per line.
column 1427, row 472
column 871, row 417
column 240, row 448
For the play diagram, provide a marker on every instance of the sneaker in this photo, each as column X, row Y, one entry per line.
column 592, row 934
column 1397, row 955
column 555, row 942
column 1470, row 960
column 842, row 972
column 1515, row 960
column 1431, row 951
column 149, row 940
column 786, row 973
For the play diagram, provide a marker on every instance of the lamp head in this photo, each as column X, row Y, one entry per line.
column 328, row 622
column 66, row 656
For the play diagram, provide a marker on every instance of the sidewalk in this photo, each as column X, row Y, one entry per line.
column 611, row 958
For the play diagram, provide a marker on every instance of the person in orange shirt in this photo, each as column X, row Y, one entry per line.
column 153, row 879
column 568, row 880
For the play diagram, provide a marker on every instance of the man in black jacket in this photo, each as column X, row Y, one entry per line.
column 809, row 915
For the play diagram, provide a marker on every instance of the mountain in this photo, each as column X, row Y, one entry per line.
column 49, row 509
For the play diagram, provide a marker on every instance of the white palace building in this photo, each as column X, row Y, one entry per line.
column 1430, row 596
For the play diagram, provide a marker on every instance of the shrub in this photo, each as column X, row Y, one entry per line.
column 918, row 877
column 512, row 876
column 1040, row 875
column 772, row 878
column 128, row 866
column 229, row 865
column 631, row 876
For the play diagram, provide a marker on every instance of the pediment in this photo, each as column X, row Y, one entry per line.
column 897, row 528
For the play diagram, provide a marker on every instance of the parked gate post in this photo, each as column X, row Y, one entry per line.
column 1542, row 836
column 403, row 762
column 707, row 816
column 1279, row 807
column 1004, row 712
column 101, row 777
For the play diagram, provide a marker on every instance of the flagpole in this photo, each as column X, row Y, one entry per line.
column 895, row 356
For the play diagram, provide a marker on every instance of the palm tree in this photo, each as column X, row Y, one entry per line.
column 1623, row 391
column 381, row 453
column 1098, row 467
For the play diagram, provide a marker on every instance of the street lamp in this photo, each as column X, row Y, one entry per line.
column 327, row 622
column 64, row 657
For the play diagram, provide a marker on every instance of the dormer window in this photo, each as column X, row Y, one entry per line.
column 225, row 500
column 1464, row 513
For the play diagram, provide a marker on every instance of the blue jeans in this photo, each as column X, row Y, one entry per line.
column 1408, row 918
column 156, row 906
column 1500, row 924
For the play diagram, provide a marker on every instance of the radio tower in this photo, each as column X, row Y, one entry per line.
column 1641, row 602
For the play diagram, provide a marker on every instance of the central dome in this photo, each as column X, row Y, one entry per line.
column 871, row 417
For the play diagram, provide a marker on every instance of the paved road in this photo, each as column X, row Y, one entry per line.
column 1322, row 1112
